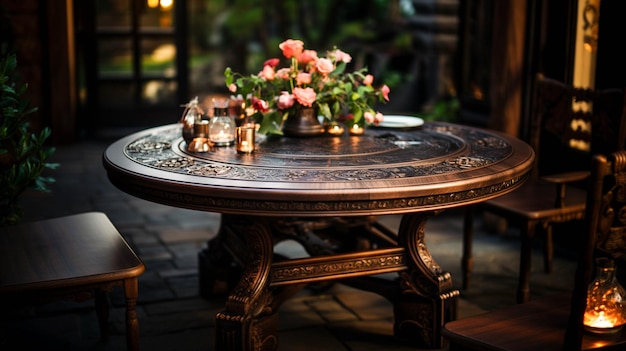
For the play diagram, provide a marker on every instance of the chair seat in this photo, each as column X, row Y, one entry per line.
column 535, row 325
column 529, row 202
column 74, row 257
column 63, row 252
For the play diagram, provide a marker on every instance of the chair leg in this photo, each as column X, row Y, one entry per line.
column 523, row 286
column 102, row 310
column 131, row 291
column 467, row 262
column 548, row 248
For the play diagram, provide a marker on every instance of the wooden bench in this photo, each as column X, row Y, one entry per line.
column 75, row 257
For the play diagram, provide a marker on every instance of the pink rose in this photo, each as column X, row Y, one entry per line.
column 273, row 62
column 285, row 100
column 303, row 78
column 291, row 48
column 305, row 96
column 324, row 66
column 385, row 91
column 371, row 118
column 259, row 105
column 341, row 56
column 368, row 80
column 267, row 73
column 307, row 56
column 283, row 73
column 232, row 88
column 378, row 118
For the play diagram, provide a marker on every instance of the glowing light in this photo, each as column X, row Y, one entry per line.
column 600, row 321
column 166, row 4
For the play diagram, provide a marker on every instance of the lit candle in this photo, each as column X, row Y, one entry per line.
column 244, row 139
column 222, row 125
column 357, row 130
column 335, row 130
column 602, row 322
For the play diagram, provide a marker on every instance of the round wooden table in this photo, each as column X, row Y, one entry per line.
column 324, row 192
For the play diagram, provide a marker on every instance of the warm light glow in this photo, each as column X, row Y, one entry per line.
column 587, row 29
column 357, row 130
column 599, row 321
column 604, row 313
column 153, row 3
column 164, row 53
column 166, row 4
column 335, row 130
column 244, row 139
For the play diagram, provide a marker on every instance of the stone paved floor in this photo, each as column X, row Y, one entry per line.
column 172, row 316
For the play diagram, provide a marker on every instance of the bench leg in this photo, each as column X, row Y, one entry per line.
column 131, row 291
column 102, row 310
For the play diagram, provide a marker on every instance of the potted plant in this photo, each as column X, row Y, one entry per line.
column 23, row 153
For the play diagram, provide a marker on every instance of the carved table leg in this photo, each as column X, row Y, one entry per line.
column 248, row 322
column 427, row 300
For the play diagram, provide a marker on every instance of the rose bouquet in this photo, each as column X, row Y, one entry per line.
column 308, row 81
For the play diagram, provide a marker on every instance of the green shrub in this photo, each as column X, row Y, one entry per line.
column 23, row 153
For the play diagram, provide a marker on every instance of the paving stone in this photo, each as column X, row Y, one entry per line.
column 176, row 322
column 185, row 287
column 366, row 305
column 158, row 252
column 185, row 235
column 296, row 314
column 188, row 262
column 330, row 309
column 183, row 305
column 173, row 273
column 301, row 340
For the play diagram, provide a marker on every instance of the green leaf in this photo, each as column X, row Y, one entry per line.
column 272, row 123
column 324, row 110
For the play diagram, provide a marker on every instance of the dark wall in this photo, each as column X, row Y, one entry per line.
column 611, row 64
column 21, row 28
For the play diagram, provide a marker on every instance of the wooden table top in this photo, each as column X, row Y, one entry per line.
column 385, row 171
column 63, row 252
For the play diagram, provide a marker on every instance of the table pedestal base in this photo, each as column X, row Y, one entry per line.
column 423, row 296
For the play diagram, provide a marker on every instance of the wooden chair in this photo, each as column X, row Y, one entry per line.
column 556, row 322
column 553, row 193
column 75, row 257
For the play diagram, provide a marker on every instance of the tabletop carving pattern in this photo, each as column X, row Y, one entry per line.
column 434, row 149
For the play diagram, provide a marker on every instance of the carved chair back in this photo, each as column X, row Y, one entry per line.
column 570, row 124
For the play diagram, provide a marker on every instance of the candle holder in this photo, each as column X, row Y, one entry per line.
column 244, row 139
column 201, row 129
column 356, row 130
column 222, row 125
column 199, row 145
column 605, row 313
column 191, row 115
column 335, row 129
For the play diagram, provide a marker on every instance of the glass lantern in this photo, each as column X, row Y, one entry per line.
column 605, row 312
column 222, row 125
column 191, row 115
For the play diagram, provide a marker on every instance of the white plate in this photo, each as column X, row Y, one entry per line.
column 394, row 121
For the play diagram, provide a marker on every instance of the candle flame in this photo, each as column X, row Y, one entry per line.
column 599, row 321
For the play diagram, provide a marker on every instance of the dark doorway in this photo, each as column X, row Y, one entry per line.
column 132, row 57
